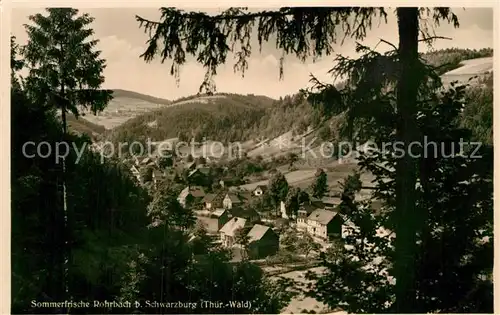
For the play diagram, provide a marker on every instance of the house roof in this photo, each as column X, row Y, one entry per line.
column 197, row 192
column 308, row 208
column 202, row 170
column 244, row 213
column 218, row 212
column 322, row 216
column 262, row 187
column 233, row 197
column 209, row 198
column 330, row 201
column 257, row 232
column 246, row 195
column 232, row 225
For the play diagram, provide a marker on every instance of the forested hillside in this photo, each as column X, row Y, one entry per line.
column 221, row 117
column 450, row 58
column 232, row 117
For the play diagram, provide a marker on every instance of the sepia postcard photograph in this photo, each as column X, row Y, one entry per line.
column 233, row 160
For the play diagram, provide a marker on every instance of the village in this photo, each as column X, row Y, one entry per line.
column 248, row 218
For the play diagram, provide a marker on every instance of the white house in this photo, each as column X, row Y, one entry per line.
column 190, row 194
column 227, row 232
column 303, row 213
column 259, row 190
column 231, row 200
column 157, row 176
column 324, row 223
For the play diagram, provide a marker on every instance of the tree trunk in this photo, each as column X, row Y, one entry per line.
column 405, row 214
column 65, row 206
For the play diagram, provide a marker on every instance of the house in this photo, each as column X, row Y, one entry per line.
column 324, row 224
column 146, row 161
column 231, row 200
column 259, row 190
column 213, row 201
column 191, row 195
column 302, row 214
column 157, row 176
column 251, row 215
column 136, row 161
column 212, row 220
column 262, row 242
column 330, row 202
column 200, row 170
column 227, row 232
column 136, row 172
column 316, row 202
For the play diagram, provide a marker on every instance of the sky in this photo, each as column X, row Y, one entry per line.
column 122, row 42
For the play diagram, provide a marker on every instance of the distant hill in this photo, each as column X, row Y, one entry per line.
column 232, row 117
column 124, row 106
column 453, row 58
column 220, row 117
column 119, row 93
column 84, row 126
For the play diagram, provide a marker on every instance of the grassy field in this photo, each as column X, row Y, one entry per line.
column 304, row 177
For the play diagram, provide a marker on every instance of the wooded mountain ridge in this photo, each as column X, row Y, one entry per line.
column 233, row 117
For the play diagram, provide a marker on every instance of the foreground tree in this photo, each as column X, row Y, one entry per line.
column 64, row 72
column 108, row 218
column 451, row 250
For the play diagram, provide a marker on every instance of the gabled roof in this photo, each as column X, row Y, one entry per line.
column 257, row 232
column 262, row 187
column 202, row 170
column 233, row 197
column 218, row 212
column 331, row 201
column 308, row 208
column 196, row 192
column 209, row 198
column 244, row 213
column 232, row 225
column 322, row 216
column 245, row 195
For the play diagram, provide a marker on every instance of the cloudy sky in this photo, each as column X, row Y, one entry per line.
column 122, row 41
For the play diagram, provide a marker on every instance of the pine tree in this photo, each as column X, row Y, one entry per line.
column 65, row 72
column 278, row 189
column 320, row 185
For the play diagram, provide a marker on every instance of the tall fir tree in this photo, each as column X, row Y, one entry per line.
column 65, row 72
